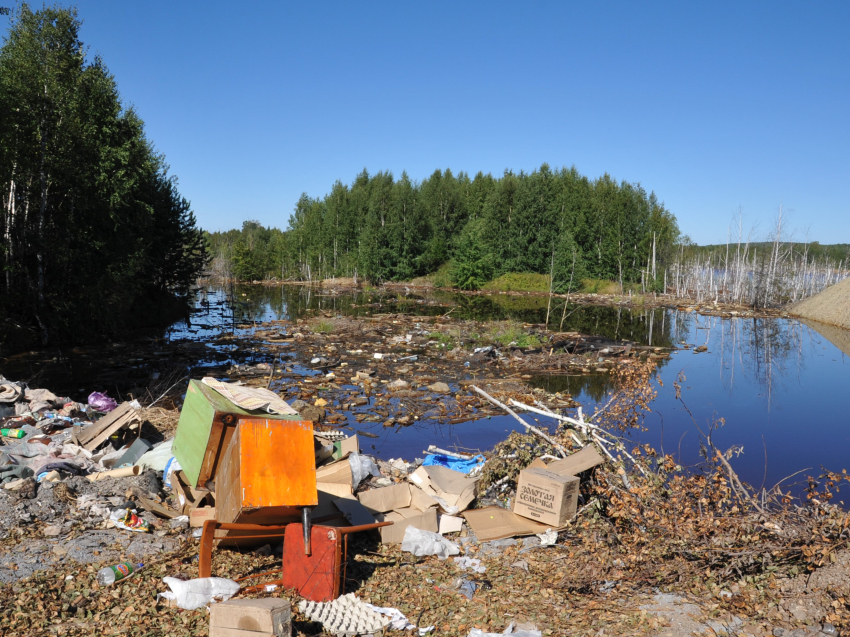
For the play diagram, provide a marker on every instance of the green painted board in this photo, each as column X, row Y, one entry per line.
column 206, row 425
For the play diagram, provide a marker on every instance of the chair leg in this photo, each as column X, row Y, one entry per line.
column 205, row 552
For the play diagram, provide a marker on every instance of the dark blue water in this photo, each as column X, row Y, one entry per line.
column 781, row 389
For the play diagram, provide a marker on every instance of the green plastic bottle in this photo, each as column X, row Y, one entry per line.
column 13, row 433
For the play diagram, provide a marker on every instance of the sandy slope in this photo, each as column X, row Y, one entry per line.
column 831, row 306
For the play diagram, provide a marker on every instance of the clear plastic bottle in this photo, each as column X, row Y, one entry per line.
column 111, row 574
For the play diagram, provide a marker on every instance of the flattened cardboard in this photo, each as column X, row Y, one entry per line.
column 403, row 518
column 454, row 487
column 580, row 461
column 546, row 497
column 386, row 499
column 496, row 523
column 355, row 513
column 268, row 616
column 421, row 500
column 335, row 478
column 450, row 524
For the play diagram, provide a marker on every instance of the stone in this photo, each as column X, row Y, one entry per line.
column 397, row 385
column 778, row 632
column 440, row 388
column 298, row 405
column 60, row 551
column 312, row 413
column 828, row 629
column 52, row 531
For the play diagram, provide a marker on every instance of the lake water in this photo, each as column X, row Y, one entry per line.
column 781, row 387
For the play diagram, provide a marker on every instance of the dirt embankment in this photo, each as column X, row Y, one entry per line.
column 832, row 306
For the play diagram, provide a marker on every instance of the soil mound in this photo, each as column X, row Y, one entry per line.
column 831, row 306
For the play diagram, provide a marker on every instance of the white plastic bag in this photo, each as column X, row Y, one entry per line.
column 477, row 632
column 157, row 457
column 361, row 468
column 195, row 593
column 421, row 543
column 472, row 563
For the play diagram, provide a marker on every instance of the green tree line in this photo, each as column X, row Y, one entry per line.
column 96, row 237
column 384, row 229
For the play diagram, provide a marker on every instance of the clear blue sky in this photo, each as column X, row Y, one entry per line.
column 714, row 106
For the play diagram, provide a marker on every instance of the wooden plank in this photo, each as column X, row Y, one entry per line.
column 156, row 507
column 113, row 426
column 85, row 435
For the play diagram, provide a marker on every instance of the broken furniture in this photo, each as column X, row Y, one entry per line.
column 262, row 464
column 316, row 569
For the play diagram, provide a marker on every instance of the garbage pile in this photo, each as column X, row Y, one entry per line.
column 518, row 540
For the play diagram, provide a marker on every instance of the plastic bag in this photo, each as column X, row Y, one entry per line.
column 195, row 593
column 158, row 457
column 477, row 632
column 362, row 467
column 421, row 543
column 472, row 563
column 455, row 464
column 101, row 402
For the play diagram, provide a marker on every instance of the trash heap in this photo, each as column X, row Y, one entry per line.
column 519, row 540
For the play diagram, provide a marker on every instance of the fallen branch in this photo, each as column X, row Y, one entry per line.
column 531, row 428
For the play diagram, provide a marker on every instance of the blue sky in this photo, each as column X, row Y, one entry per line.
column 714, row 106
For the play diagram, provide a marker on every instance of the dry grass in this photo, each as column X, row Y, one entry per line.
column 161, row 419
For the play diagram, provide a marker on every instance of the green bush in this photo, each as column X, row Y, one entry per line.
column 519, row 282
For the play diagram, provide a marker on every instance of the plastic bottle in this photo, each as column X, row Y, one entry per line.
column 13, row 433
column 111, row 574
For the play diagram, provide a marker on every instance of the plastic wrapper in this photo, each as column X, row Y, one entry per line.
column 101, row 402
column 196, row 593
column 422, row 543
column 361, row 468
column 128, row 520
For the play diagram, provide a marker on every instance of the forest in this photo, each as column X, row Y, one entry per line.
column 555, row 222
column 97, row 239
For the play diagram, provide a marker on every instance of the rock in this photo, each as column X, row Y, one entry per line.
column 312, row 413
column 298, row 405
column 397, row 385
column 778, row 632
column 440, row 388
column 52, row 531
column 60, row 550
column 799, row 632
column 404, row 369
column 360, row 400
column 701, row 348
column 828, row 629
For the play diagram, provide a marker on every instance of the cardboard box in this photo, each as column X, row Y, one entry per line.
column 546, row 497
column 335, row 478
column 198, row 516
column 386, row 498
column 403, row 518
column 251, row 617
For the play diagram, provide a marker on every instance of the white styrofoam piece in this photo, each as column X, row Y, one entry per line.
column 345, row 615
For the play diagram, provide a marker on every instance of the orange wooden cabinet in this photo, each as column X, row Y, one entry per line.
column 267, row 473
